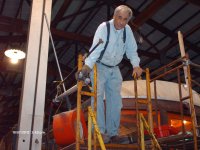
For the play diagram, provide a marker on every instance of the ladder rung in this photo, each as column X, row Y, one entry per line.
column 118, row 146
column 87, row 93
column 141, row 101
column 185, row 98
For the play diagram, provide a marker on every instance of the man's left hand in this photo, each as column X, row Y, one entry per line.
column 138, row 71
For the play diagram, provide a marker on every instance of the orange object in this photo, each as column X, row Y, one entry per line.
column 64, row 127
column 162, row 131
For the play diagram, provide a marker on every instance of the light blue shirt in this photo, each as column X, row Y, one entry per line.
column 115, row 48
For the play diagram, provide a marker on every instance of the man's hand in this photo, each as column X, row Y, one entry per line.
column 83, row 73
column 85, row 70
column 137, row 71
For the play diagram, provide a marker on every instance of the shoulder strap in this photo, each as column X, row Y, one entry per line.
column 108, row 35
column 124, row 35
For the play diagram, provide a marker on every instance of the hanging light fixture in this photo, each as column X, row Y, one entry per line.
column 15, row 55
column 14, row 51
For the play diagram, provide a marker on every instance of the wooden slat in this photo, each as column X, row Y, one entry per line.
column 148, row 13
column 61, row 12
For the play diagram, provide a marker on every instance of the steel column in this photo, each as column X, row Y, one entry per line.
column 34, row 81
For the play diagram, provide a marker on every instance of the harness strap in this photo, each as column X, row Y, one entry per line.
column 108, row 35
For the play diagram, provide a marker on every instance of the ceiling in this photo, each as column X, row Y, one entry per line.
column 155, row 24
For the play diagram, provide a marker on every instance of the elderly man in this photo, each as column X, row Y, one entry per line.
column 118, row 40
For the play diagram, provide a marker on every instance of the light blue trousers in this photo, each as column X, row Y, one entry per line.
column 109, row 81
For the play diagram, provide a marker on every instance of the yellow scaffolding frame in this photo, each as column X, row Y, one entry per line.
column 91, row 114
column 186, row 69
column 91, row 118
column 143, row 123
column 148, row 102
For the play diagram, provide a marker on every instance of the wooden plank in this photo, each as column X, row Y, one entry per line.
column 148, row 12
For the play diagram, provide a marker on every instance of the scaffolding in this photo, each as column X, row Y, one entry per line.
column 172, row 67
column 141, row 122
column 175, row 66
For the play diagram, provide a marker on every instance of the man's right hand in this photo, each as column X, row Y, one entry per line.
column 83, row 73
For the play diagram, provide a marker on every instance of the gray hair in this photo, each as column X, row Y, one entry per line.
column 124, row 8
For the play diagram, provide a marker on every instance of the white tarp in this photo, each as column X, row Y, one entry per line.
column 165, row 91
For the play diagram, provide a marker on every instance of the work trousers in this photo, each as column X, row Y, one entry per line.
column 109, row 82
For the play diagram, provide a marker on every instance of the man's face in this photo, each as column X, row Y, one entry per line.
column 121, row 19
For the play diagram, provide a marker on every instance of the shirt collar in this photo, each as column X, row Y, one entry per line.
column 112, row 25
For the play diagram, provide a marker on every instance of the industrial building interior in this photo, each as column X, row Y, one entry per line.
column 155, row 25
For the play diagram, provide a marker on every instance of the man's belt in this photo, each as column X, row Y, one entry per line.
column 106, row 65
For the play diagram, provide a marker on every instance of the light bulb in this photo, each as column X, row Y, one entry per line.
column 14, row 60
